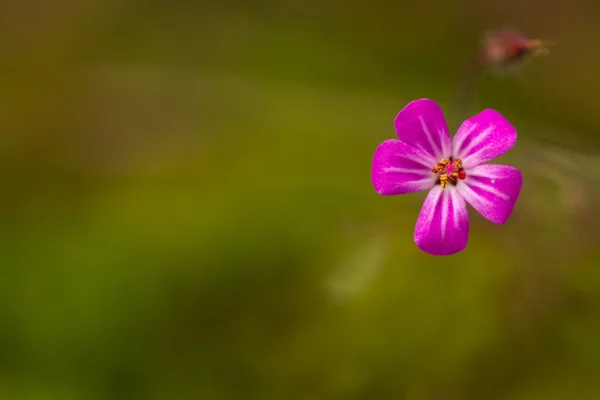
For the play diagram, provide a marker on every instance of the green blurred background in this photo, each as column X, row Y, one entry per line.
column 187, row 210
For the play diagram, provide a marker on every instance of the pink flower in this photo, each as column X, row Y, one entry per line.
column 454, row 172
column 508, row 46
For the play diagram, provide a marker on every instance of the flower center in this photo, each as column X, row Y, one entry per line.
column 449, row 170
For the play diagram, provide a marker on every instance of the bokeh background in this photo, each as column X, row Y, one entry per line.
column 187, row 210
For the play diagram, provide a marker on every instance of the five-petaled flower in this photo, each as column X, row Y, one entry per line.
column 425, row 158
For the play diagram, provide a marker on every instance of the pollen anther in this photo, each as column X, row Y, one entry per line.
column 444, row 180
column 441, row 165
column 451, row 171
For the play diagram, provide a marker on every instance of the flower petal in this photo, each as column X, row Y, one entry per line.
column 422, row 125
column 482, row 138
column 399, row 168
column 492, row 190
column 443, row 225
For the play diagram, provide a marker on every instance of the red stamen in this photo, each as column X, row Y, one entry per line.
column 462, row 175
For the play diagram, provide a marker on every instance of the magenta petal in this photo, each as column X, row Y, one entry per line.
column 482, row 138
column 399, row 168
column 492, row 190
column 422, row 125
column 443, row 225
